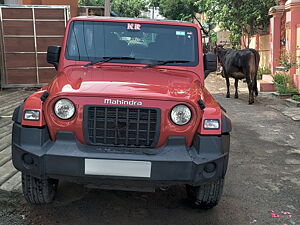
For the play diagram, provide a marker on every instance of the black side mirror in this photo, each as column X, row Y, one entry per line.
column 53, row 54
column 210, row 63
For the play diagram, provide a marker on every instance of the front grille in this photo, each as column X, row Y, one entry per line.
column 122, row 126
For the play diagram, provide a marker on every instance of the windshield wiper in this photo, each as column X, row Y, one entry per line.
column 159, row 63
column 107, row 59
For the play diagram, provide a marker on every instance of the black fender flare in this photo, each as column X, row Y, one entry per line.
column 17, row 115
column 226, row 123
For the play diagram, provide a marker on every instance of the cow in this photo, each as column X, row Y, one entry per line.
column 239, row 64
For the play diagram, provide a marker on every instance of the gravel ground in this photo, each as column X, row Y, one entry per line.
column 263, row 177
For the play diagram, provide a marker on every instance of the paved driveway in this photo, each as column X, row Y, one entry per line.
column 9, row 178
column 262, row 185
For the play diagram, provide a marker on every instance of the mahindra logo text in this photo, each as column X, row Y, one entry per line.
column 122, row 102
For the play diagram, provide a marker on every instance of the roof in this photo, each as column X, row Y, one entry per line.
column 132, row 19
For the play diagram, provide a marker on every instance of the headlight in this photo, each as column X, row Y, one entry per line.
column 211, row 124
column 32, row 115
column 64, row 109
column 181, row 114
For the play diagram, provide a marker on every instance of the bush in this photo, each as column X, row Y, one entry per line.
column 289, row 60
column 296, row 98
column 284, row 84
column 261, row 71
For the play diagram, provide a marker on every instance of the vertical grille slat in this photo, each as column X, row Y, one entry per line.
column 122, row 126
column 105, row 124
column 95, row 124
column 148, row 130
column 116, row 130
column 137, row 127
column 127, row 126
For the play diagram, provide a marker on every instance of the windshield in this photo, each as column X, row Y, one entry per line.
column 144, row 43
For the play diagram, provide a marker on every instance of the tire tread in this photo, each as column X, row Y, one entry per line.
column 38, row 191
column 207, row 195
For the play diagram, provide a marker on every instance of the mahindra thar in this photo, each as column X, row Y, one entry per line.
column 127, row 110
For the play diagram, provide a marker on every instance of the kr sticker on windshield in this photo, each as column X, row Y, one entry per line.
column 133, row 26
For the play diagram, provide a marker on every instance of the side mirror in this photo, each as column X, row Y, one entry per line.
column 53, row 54
column 210, row 63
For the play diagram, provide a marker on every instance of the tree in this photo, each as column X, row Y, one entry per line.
column 241, row 18
column 154, row 3
column 91, row 2
column 129, row 8
column 178, row 9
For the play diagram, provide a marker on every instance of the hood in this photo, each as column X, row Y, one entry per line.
column 125, row 81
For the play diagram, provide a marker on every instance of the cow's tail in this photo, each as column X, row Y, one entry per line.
column 257, row 58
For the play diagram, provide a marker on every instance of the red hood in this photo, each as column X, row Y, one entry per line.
column 131, row 82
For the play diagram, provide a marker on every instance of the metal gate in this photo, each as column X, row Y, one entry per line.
column 26, row 32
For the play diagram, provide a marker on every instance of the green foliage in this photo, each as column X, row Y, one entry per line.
column 242, row 17
column 284, row 84
column 91, row 2
column 296, row 98
column 129, row 8
column 261, row 71
column 289, row 60
column 178, row 9
column 154, row 3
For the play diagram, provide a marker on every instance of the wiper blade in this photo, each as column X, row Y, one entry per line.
column 159, row 63
column 107, row 59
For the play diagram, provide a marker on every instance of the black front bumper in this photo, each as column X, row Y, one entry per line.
column 34, row 153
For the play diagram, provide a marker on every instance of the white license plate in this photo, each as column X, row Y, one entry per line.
column 122, row 168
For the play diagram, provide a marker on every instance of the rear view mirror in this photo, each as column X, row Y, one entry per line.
column 210, row 63
column 53, row 54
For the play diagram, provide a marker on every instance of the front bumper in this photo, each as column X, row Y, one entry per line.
column 34, row 153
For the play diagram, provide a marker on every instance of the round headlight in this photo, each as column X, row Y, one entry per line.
column 181, row 114
column 64, row 109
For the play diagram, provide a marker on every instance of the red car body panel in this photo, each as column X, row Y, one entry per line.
column 161, row 87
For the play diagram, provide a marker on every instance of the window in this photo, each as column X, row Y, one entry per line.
column 92, row 40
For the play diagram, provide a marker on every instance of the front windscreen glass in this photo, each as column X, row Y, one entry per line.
column 144, row 43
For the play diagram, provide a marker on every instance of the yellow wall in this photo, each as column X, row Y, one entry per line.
column 252, row 42
column 264, row 50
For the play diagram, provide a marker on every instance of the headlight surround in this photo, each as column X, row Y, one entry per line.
column 181, row 115
column 64, row 109
column 32, row 115
column 211, row 124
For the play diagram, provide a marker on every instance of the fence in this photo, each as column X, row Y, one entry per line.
column 26, row 32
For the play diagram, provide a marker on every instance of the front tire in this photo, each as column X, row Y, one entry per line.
column 207, row 195
column 37, row 190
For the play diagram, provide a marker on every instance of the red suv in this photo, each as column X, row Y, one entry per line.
column 127, row 110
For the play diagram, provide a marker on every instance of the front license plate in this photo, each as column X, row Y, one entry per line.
column 122, row 168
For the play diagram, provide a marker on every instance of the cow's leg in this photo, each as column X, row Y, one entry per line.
column 250, row 83
column 255, row 87
column 251, row 92
column 236, row 84
column 228, row 86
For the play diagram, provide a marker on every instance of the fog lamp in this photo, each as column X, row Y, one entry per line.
column 211, row 124
column 32, row 115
